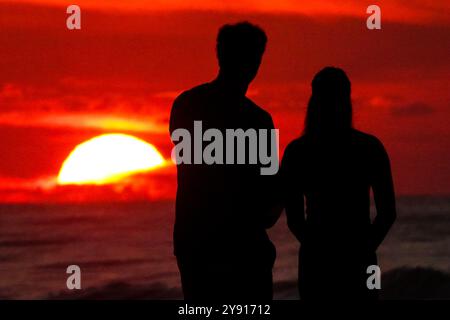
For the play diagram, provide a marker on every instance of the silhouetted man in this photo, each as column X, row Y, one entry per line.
column 223, row 210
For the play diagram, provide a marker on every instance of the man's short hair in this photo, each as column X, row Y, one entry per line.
column 242, row 41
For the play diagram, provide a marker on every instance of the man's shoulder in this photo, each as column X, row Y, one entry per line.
column 258, row 112
column 185, row 105
column 194, row 93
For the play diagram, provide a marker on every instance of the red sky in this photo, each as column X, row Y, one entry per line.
column 121, row 72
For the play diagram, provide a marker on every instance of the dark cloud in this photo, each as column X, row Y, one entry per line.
column 416, row 109
column 35, row 243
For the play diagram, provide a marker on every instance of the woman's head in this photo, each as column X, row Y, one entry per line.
column 329, row 109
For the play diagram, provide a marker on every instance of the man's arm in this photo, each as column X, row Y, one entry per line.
column 272, row 183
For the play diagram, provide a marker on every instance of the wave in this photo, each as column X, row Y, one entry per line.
column 403, row 283
column 122, row 291
column 415, row 284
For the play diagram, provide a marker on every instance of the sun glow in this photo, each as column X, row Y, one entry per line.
column 108, row 158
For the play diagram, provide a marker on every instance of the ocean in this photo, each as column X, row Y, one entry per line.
column 124, row 250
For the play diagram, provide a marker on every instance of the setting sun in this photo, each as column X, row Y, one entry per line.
column 108, row 158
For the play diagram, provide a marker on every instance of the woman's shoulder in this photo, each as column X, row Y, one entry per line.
column 364, row 137
column 296, row 146
column 299, row 142
column 368, row 141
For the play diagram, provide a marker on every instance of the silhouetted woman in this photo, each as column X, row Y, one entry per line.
column 333, row 167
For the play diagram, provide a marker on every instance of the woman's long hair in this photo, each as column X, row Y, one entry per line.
column 329, row 112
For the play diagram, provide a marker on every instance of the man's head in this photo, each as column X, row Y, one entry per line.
column 240, row 48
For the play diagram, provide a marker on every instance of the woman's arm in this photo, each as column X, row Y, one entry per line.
column 384, row 196
column 292, row 195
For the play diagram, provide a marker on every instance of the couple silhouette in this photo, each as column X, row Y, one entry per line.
column 223, row 211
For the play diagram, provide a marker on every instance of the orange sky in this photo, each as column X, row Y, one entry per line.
column 436, row 11
column 121, row 72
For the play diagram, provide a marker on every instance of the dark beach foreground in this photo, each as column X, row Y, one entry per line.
column 398, row 284
column 125, row 252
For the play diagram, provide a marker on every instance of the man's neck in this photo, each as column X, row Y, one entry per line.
column 230, row 85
